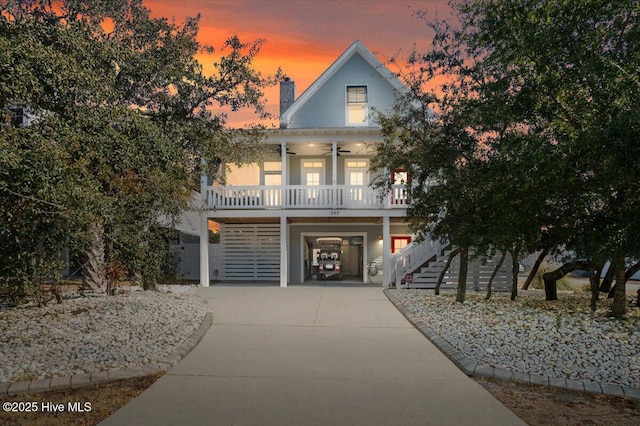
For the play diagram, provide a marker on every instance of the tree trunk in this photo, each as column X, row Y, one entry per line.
column 462, row 278
column 619, row 305
column 534, row 269
column 94, row 271
column 594, row 280
column 605, row 286
column 493, row 275
column 627, row 275
column 550, row 279
column 515, row 268
column 453, row 254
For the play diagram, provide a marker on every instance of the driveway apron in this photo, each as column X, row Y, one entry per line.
column 312, row 355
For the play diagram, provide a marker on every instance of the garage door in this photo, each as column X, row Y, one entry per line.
column 251, row 252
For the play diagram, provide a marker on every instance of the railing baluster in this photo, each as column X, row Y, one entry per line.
column 300, row 196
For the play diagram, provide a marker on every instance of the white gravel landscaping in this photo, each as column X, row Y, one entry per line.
column 560, row 339
column 96, row 333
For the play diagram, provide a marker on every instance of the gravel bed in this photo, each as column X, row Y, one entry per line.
column 96, row 333
column 560, row 339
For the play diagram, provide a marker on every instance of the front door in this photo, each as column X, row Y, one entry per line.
column 357, row 177
column 312, row 175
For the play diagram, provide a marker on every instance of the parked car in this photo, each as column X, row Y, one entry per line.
column 329, row 258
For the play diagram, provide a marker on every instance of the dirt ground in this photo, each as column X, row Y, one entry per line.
column 104, row 398
column 536, row 405
column 549, row 406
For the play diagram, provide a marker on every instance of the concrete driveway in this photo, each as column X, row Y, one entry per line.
column 317, row 355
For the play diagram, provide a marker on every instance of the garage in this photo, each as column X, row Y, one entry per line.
column 333, row 257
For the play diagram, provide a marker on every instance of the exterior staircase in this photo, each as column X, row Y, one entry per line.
column 419, row 266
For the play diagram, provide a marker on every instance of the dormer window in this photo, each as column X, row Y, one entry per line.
column 357, row 106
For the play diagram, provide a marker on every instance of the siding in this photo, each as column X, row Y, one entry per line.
column 326, row 108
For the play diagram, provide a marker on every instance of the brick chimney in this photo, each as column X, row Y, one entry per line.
column 287, row 94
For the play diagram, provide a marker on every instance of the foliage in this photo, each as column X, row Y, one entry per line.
column 124, row 119
column 527, row 144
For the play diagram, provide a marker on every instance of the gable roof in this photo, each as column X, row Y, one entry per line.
column 355, row 48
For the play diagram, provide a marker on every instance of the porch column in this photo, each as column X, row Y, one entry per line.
column 386, row 201
column 334, row 163
column 283, row 175
column 204, row 249
column 386, row 252
column 204, row 233
column 334, row 173
column 284, row 252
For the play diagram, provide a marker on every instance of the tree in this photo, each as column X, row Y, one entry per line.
column 542, row 91
column 130, row 113
column 578, row 87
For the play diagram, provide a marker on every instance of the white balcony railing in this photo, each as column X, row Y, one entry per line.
column 303, row 197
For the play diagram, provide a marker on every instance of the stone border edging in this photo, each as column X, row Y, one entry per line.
column 76, row 381
column 471, row 367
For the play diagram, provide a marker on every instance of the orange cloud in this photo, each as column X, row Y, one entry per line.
column 305, row 36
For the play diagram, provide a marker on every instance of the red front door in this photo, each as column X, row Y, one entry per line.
column 398, row 243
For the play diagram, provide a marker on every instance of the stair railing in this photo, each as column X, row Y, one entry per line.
column 411, row 258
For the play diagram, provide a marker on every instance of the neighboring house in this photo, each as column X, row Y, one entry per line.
column 21, row 116
column 315, row 184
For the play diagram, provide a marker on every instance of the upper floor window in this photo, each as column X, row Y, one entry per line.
column 312, row 172
column 272, row 171
column 357, row 105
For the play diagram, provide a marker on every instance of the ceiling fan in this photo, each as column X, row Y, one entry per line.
column 338, row 150
column 279, row 151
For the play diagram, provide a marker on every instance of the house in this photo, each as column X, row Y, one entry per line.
column 313, row 187
column 314, row 184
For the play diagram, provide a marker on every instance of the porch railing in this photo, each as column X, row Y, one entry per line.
column 303, row 197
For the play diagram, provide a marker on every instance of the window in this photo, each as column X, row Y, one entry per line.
column 312, row 175
column 247, row 175
column 357, row 163
column 272, row 166
column 312, row 172
column 398, row 243
column 399, row 178
column 356, row 172
column 357, row 105
column 312, row 164
column 272, row 173
column 17, row 118
column 313, row 178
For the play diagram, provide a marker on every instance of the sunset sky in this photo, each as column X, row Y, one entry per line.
column 305, row 36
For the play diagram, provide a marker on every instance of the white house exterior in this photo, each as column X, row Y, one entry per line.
column 271, row 214
column 316, row 184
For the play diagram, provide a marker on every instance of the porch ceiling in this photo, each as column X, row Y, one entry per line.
column 313, row 147
column 312, row 220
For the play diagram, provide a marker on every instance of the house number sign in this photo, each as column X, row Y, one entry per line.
column 335, row 212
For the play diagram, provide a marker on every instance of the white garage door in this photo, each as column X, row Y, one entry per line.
column 251, row 252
